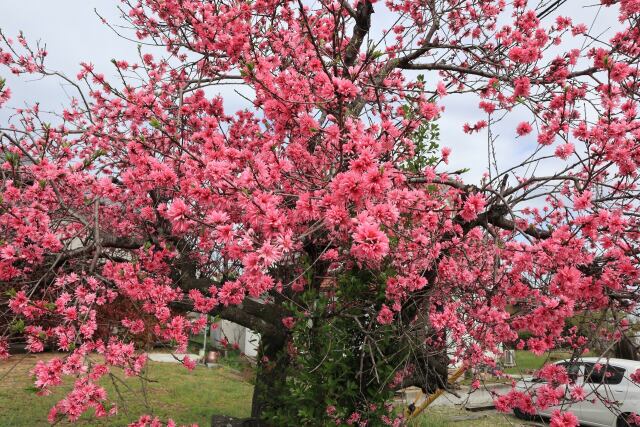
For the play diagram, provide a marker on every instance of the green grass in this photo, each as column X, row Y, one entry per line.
column 187, row 397
column 447, row 416
column 527, row 362
column 193, row 397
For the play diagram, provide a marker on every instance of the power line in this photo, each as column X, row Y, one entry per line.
column 551, row 8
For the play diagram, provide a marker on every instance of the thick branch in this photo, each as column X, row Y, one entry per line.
column 360, row 30
column 253, row 314
column 453, row 68
column 121, row 242
column 496, row 217
column 244, row 314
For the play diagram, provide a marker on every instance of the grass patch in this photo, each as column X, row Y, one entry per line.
column 187, row 397
column 449, row 416
column 240, row 364
column 527, row 362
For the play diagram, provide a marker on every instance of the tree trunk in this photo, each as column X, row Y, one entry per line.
column 224, row 421
column 625, row 349
column 271, row 374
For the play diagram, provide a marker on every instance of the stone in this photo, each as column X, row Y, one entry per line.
column 225, row 421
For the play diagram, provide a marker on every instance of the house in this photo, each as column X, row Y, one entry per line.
column 246, row 339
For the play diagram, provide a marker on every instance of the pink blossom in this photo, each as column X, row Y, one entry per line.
column 477, row 127
column 524, row 128
column 554, row 373
column 178, row 213
column 579, row 29
column 474, row 204
column 582, row 201
column 4, row 349
column 563, row 419
column 521, row 87
column 445, row 152
column 565, row 150
column 135, row 326
column 619, row 71
column 547, row 396
column 429, row 110
column 231, row 293
column 385, row 315
column 288, row 322
column 345, row 87
column 577, row 393
column 370, row 243
column 202, row 303
column 48, row 374
column 188, row 363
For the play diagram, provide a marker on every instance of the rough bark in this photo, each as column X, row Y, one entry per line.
column 361, row 29
column 430, row 373
column 224, row 421
column 271, row 374
column 626, row 349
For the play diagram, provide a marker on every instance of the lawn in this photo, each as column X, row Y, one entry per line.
column 192, row 397
column 527, row 362
column 440, row 416
column 187, row 397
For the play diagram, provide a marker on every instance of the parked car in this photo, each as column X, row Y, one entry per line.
column 610, row 394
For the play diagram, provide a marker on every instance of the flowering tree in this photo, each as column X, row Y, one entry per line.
column 323, row 215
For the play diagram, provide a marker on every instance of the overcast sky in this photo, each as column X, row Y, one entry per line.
column 73, row 33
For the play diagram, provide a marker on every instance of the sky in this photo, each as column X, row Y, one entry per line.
column 73, row 33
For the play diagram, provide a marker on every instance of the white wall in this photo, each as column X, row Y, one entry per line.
column 247, row 339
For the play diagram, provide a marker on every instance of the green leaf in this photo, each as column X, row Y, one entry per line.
column 12, row 158
column 155, row 123
column 17, row 326
column 31, row 389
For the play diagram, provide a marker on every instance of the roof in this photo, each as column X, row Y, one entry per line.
column 623, row 363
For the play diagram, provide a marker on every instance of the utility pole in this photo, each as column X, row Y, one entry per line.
column 204, row 341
